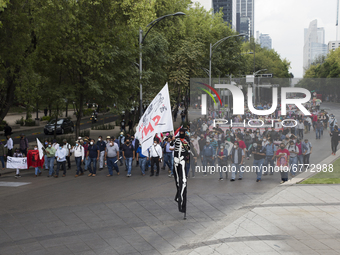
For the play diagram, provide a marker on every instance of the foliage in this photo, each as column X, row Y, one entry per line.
column 47, row 118
column 84, row 132
column 29, row 122
column 20, row 121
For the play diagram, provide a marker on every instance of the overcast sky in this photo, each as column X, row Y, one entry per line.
column 285, row 21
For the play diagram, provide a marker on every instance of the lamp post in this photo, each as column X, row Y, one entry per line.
column 216, row 45
column 141, row 40
column 254, row 91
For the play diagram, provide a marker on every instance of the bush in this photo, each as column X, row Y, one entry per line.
column 20, row 121
column 70, row 139
column 103, row 127
column 48, row 118
column 2, row 125
column 29, row 122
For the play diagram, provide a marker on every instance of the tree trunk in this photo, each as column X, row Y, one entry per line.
column 79, row 113
column 55, row 124
column 6, row 104
column 66, row 108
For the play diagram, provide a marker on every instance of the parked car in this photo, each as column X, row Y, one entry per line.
column 63, row 125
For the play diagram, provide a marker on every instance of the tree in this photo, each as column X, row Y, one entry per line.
column 17, row 42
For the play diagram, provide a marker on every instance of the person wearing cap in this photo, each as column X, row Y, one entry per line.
column 306, row 151
column 111, row 155
column 208, row 155
column 237, row 159
column 79, row 155
column 293, row 159
column 107, row 141
column 23, row 144
column 102, row 146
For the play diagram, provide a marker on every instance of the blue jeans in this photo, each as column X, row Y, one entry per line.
column 293, row 165
column 318, row 133
column 168, row 160
column 94, row 169
column 46, row 163
column 2, row 159
column 37, row 171
column 50, row 163
column 128, row 162
column 206, row 160
column 258, row 164
column 269, row 160
column 78, row 163
column 87, row 162
column 63, row 165
column 234, row 169
column 111, row 164
column 142, row 164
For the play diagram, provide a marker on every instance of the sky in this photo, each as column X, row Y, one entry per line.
column 285, row 21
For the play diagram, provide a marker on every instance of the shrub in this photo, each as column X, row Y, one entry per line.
column 2, row 125
column 70, row 139
column 87, row 112
column 85, row 132
column 20, row 121
column 29, row 122
column 48, row 118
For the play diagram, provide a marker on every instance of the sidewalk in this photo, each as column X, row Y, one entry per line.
column 301, row 219
column 290, row 219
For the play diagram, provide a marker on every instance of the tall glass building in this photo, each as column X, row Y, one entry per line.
column 228, row 9
column 314, row 45
column 245, row 8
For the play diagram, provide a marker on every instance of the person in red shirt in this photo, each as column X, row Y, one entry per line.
column 282, row 156
column 314, row 119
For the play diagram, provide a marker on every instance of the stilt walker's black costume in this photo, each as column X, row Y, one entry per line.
column 181, row 154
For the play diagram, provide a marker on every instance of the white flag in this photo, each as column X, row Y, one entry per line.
column 40, row 148
column 156, row 119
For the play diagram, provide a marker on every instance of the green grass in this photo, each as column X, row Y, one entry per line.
column 326, row 177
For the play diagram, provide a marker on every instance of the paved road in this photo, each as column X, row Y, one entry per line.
column 120, row 215
column 39, row 132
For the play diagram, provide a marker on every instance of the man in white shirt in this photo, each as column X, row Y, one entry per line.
column 155, row 153
column 60, row 155
column 9, row 146
column 79, row 154
column 300, row 126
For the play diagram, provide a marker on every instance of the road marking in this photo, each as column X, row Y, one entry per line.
column 36, row 133
column 89, row 122
column 81, row 123
column 17, row 137
column 13, row 184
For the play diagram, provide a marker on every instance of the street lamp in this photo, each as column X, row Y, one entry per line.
column 141, row 40
column 254, row 91
column 216, row 45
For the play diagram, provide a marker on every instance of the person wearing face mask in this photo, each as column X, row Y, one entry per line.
column 141, row 158
column 93, row 157
column 23, row 144
column 270, row 157
column 293, row 159
column 111, row 155
column 259, row 153
column 208, row 155
column 121, row 141
column 129, row 155
column 67, row 148
column 306, row 151
column 101, row 146
column 34, row 159
column 79, row 155
column 50, row 153
column 86, row 148
column 222, row 160
column 61, row 154
column 155, row 154
column 45, row 155
column 237, row 158
column 282, row 156
column 248, row 141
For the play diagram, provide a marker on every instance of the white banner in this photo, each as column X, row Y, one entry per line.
column 156, row 119
column 15, row 163
column 40, row 148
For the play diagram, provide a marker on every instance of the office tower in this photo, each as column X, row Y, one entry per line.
column 333, row 45
column 229, row 10
column 314, row 45
column 264, row 40
column 246, row 10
